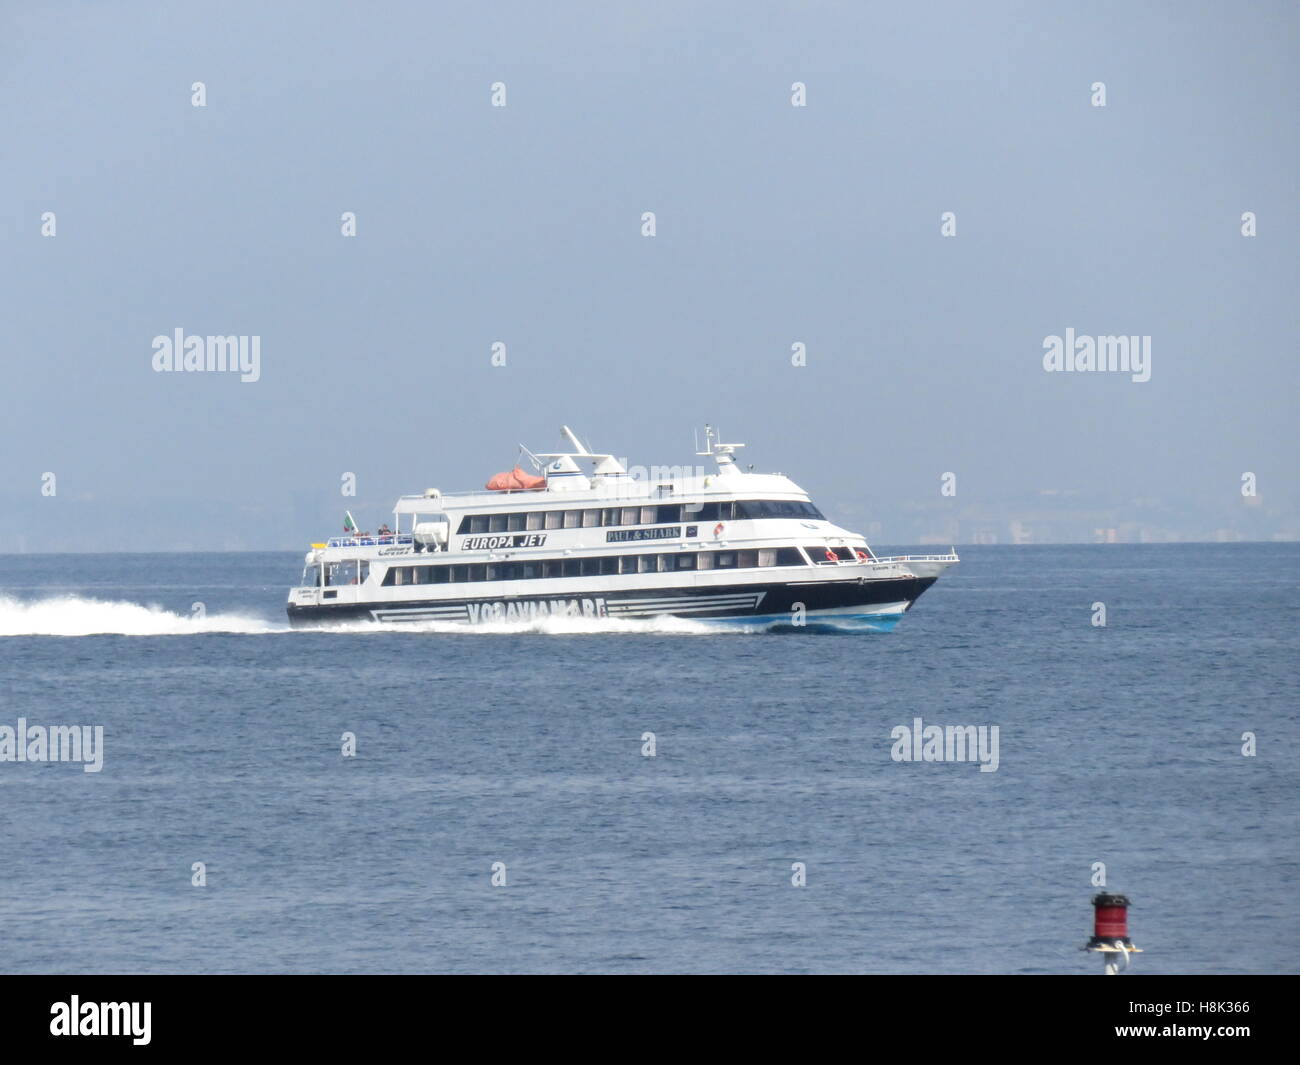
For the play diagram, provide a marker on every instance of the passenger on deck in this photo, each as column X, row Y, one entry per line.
column 384, row 530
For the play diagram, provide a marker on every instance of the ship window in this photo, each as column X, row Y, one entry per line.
column 776, row 508
column 649, row 515
column 591, row 567
column 554, row 519
column 630, row 515
column 310, row 577
column 515, row 522
column 535, row 519
column 609, row 516
column 766, row 557
column 746, row 559
column 704, row 560
column 572, row 567
column 726, row 560
column 496, row 523
column 477, row 572
column 686, row 560
column 609, row 564
column 494, row 572
column 846, row 553
column 669, row 513
column 439, row 574
column 708, row 512
column 337, row 573
column 590, row 518
column 529, row 571
column 478, row 523
column 552, row 567
column 648, row 564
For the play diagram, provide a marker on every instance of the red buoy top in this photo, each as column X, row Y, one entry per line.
column 1110, row 917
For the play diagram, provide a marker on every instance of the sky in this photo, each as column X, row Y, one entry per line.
column 522, row 225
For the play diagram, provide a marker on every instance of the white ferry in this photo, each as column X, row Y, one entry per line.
column 586, row 539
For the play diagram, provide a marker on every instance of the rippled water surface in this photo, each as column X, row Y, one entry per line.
column 522, row 746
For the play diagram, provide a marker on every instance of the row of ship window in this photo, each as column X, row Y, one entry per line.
column 663, row 562
column 665, row 514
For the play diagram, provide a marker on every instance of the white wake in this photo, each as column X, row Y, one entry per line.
column 544, row 626
column 74, row 615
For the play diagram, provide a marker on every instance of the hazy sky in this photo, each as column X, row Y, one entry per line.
column 522, row 224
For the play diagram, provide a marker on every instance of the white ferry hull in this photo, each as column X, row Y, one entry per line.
column 845, row 604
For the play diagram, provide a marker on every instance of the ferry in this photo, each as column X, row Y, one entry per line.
column 583, row 538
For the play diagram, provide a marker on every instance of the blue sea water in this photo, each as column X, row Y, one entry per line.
column 1119, row 744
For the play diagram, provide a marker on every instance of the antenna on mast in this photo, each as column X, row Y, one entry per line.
column 722, row 452
column 708, row 441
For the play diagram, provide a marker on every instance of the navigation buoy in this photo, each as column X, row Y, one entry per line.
column 1110, row 931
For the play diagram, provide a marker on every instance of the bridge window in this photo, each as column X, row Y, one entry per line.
column 339, row 573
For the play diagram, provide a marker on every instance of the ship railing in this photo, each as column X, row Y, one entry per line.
column 370, row 541
column 950, row 557
column 487, row 493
